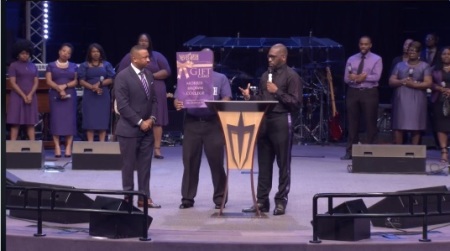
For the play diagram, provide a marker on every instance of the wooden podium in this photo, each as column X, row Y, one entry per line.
column 240, row 123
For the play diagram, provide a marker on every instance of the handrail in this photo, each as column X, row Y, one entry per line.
column 40, row 208
column 425, row 214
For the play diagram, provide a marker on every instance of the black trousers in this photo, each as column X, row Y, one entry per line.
column 362, row 102
column 203, row 135
column 274, row 143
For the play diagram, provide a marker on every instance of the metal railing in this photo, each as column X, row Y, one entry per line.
column 411, row 197
column 40, row 207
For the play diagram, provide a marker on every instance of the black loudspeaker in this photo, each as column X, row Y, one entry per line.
column 24, row 154
column 399, row 204
column 96, row 156
column 62, row 199
column 388, row 158
column 345, row 229
column 116, row 225
column 11, row 179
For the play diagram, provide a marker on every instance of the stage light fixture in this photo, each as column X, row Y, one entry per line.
column 46, row 11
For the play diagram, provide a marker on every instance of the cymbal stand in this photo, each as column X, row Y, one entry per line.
column 320, row 132
column 302, row 128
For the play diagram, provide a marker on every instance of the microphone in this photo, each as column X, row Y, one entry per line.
column 310, row 33
column 66, row 97
column 269, row 76
column 101, row 81
column 349, row 68
column 101, row 84
column 410, row 72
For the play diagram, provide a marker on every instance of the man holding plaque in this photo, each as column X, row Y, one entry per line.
column 202, row 128
column 279, row 83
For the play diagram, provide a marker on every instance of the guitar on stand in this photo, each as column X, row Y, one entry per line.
column 333, row 122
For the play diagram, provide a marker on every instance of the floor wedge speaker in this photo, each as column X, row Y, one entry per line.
column 399, row 204
column 96, row 156
column 345, row 229
column 24, row 154
column 116, row 225
column 62, row 200
column 388, row 158
column 11, row 179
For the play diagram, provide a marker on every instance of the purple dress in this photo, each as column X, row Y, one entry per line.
column 18, row 112
column 63, row 112
column 157, row 62
column 96, row 109
column 441, row 122
column 409, row 106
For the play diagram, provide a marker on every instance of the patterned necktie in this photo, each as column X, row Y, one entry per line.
column 361, row 65
column 144, row 84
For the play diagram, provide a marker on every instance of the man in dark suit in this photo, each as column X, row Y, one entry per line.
column 430, row 53
column 136, row 103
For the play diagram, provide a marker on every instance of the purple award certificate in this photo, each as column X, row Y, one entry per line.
column 194, row 78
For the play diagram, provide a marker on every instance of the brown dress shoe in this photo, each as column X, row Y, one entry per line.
column 151, row 204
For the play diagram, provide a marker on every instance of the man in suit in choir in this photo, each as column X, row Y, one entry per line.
column 136, row 103
column 431, row 51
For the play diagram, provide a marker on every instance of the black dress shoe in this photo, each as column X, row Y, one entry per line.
column 262, row 207
column 186, row 205
column 57, row 155
column 347, row 156
column 159, row 157
column 279, row 210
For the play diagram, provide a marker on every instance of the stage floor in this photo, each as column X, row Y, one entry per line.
column 315, row 169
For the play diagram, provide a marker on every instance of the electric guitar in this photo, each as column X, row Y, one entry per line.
column 333, row 123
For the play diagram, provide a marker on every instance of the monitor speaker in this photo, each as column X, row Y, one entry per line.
column 96, row 156
column 388, row 158
column 24, row 154
column 400, row 204
column 116, row 225
column 62, row 200
column 11, row 179
column 345, row 229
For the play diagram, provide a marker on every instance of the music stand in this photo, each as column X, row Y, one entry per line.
column 240, row 122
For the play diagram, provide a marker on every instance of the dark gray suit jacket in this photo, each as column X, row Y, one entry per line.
column 132, row 102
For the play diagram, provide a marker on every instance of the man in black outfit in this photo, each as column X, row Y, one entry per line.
column 203, row 131
column 280, row 83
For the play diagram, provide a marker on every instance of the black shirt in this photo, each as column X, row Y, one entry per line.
column 290, row 90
